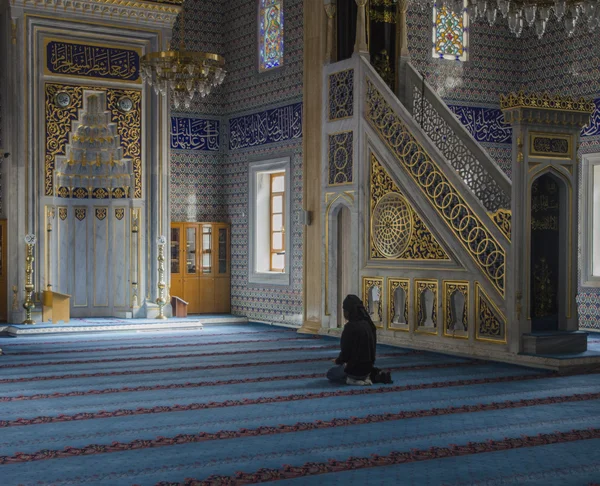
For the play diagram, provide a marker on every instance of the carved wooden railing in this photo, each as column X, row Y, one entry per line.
column 470, row 161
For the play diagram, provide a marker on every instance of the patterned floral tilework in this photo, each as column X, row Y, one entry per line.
column 196, row 187
column 246, row 88
column 502, row 155
column 560, row 64
column 189, row 133
column 494, row 65
column 589, row 310
column 204, row 20
column 341, row 158
column 268, row 126
column 341, row 94
column 265, row 303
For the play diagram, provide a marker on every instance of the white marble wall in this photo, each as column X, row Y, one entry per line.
column 64, row 265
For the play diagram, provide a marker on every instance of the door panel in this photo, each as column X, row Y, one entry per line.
column 207, row 295
column 3, row 296
column 191, row 291
column 222, row 294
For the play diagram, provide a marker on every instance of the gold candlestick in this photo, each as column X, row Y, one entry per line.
column 15, row 302
column 161, row 277
column 28, row 305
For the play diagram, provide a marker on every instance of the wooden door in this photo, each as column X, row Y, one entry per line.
column 191, row 267
column 222, row 269
column 3, row 296
column 177, row 259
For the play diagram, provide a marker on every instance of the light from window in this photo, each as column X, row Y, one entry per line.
column 449, row 33
column 270, row 38
column 277, row 222
column 596, row 222
column 269, row 206
column 590, row 220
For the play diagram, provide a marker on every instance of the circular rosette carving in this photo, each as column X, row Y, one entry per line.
column 392, row 225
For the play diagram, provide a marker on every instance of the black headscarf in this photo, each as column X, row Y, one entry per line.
column 356, row 310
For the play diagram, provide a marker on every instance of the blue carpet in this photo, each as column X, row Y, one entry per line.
column 249, row 403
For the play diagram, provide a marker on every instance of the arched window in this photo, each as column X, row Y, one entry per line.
column 270, row 34
column 450, row 32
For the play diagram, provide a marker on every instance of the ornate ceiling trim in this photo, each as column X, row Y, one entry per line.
column 155, row 14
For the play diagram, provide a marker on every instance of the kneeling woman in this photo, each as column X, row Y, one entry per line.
column 359, row 338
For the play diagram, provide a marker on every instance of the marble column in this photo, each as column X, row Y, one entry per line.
column 402, row 49
column 330, row 9
column 314, row 54
column 361, row 47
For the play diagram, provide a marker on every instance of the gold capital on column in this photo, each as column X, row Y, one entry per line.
column 330, row 11
column 361, row 46
column 402, row 29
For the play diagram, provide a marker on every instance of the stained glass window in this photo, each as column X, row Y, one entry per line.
column 270, row 34
column 450, row 33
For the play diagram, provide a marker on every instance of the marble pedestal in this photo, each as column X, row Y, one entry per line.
column 555, row 342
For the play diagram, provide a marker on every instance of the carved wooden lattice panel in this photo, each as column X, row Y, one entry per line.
column 467, row 166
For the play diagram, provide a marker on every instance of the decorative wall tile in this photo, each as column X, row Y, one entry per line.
column 204, row 31
column 194, row 134
column 269, row 126
column 196, row 187
column 341, row 158
column 245, row 88
column 341, row 95
column 263, row 302
column 493, row 68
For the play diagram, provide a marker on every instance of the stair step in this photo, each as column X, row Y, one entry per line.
column 555, row 342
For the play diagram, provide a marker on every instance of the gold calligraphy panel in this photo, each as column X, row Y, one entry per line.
column 91, row 60
column 550, row 145
column 58, row 126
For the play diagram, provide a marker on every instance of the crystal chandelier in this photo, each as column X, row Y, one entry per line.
column 532, row 13
column 184, row 73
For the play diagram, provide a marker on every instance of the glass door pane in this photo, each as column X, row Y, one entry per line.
column 206, row 249
column 190, row 250
column 175, row 250
column 222, row 250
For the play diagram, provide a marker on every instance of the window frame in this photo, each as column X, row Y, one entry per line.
column 273, row 195
column 588, row 163
column 465, row 55
column 260, row 39
column 259, row 272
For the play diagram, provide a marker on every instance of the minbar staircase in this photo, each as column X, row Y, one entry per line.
column 431, row 220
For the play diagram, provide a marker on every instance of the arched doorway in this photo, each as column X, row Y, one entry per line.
column 344, row 260
column 548, row 253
